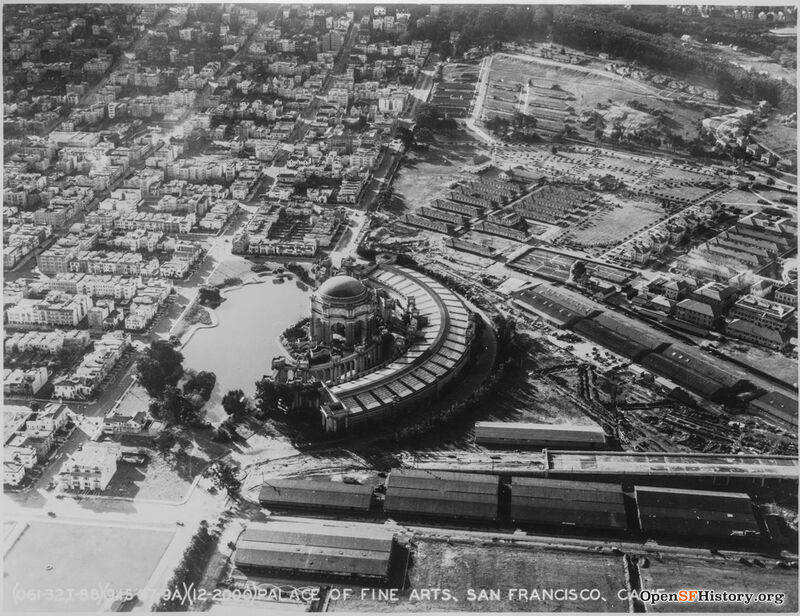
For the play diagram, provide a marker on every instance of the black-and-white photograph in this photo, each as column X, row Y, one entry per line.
column 399, row 308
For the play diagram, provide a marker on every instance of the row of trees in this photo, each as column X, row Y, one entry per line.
column 189, row 571
column 522, row 124
column 480, row 25
column 591, row 29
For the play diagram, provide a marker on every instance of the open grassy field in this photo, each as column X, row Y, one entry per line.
column 83, row 560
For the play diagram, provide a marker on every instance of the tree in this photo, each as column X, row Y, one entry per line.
column 424, row 135
column 201, row 383
column 266, row 396
column 226, row 477
column 160, row 365
column 210, row 295
column 406, row 136
column 445, row 49
column 175, row 408
column 235, row 404
column 579, row 270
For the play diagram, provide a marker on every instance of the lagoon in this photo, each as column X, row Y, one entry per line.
column 239, row 350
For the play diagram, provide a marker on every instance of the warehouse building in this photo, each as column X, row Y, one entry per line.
column 621, row 340
column 581, row 504
column 699, row 513
column 777, row 408
column 317, row 548
column 323, row 495
column 539, row 435
column 556, row 305
column 691, row 370
column 442, row 495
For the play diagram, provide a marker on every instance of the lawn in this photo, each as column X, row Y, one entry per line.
column 84, row 559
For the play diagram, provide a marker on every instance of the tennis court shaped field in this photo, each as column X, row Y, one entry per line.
column 83, row 561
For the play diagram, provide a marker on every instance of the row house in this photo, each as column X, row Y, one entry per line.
column 28, row 382
column 114, row 262
column 94, row 367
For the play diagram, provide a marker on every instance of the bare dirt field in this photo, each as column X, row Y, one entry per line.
column 136, row 400
column 740, row 197
column 500, row 244
column 424, row 176
column 615, row 224
column 714, row 573
column 768, row 361
column 587, row 88
column 479, row 577
column 582, row 89
column 156, row 479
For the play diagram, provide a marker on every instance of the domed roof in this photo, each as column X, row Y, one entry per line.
column 341, row 287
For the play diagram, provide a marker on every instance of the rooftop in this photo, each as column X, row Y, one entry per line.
column 342, row 287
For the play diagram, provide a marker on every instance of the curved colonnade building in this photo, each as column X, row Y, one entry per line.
column 434, row 357
column 361, row 385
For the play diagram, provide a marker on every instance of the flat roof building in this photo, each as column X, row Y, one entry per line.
column 441, row 494
column 315, row 547
column 538, row 435
column 700, row 513
column 572, row 503
column 325, row 495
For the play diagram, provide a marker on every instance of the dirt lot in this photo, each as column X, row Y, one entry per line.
column 479, row 576
column 768, row 361
column 424, row 176
column 741, row 198
column 135, row 400
column 500, row 244
column 155, row 479
column 586, row 88
column 613, row 225
column 719, row 575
